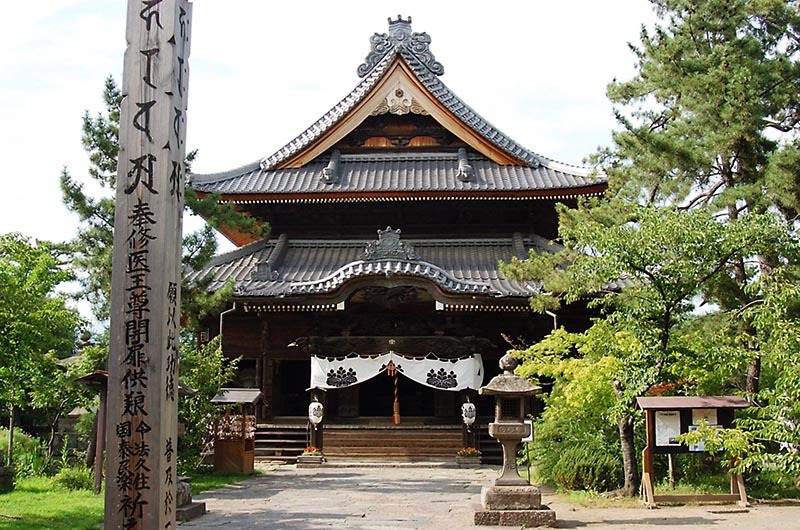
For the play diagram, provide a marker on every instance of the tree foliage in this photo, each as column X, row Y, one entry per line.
column 702, row 207
column 36, row 324
column 205, row 370
column 93, row 244
column 775, row 421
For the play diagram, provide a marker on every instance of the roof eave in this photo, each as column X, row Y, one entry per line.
column 394, row 196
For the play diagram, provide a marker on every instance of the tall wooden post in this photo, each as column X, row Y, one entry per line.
column 100, row 444
column 145, row 296
column 648, row 485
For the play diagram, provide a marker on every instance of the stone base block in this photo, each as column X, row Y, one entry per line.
column 190, row 511
column 511, row 498
column 519, row 518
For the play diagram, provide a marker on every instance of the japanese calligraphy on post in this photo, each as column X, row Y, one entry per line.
column 145, row 298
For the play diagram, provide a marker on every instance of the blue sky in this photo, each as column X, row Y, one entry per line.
column 260, row 72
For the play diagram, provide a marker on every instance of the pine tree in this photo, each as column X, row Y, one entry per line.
column 93, row 245
column 707, row 128
column 710, row 121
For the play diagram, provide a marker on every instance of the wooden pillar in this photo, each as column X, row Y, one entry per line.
column 738, row 488
column 647, row 459
column 100, row 444
column 396, row 402
column 141, row 478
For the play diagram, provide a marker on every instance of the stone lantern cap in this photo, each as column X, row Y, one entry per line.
column 508, row 384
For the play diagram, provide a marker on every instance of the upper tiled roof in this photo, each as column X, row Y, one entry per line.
column 309, row 267
column 392, row 172
column 536, row 172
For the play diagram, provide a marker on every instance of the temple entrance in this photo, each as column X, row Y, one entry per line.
column 290, row 395
column 376, row 397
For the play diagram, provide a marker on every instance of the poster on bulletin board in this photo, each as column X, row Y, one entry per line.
column 668, row 428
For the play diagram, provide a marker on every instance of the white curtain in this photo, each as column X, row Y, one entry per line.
column 442, row 374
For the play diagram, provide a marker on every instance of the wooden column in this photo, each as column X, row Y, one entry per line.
column 100, row 444
column 141, row 436
column 647, row 459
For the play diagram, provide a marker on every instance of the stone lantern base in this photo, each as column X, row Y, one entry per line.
column 513, row 506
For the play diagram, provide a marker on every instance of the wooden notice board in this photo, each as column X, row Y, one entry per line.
column 666, row 418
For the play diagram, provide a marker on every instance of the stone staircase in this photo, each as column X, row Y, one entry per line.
column 285, row 442
column 280, row 442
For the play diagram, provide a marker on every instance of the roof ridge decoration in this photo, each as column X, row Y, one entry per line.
column 387, row 267
column 330, row 173
column 464, row 173
column 268, row 269
column 401, row 40
column 389, row 246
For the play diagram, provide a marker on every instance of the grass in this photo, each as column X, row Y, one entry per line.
column 592, row 499
column 202, row 482
column 37, row 504
column 766, row 486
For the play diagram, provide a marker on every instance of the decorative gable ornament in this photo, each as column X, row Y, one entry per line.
column 400, row 39
column 389, row 246
column 399, row 102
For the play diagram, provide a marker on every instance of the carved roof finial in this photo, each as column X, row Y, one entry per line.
column 400, row 39
column 400, row 27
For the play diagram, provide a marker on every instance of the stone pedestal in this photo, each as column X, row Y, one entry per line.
column 518, row 518
column 511, row 498
column 6, row 479
column 513, row 506
column 186, row 508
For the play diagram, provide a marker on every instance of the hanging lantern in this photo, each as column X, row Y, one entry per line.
column 315, row 412
column 468, row 413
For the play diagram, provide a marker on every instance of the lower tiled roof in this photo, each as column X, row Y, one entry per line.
column 316, row 267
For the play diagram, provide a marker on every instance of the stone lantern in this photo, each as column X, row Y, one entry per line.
column 512, row 500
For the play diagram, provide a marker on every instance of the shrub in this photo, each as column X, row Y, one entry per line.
column 30, row 454
column 74, row 478
column 583, row 467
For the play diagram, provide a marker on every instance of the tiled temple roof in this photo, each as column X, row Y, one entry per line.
column 282, row 267
column 393, row 172
column 386, row 171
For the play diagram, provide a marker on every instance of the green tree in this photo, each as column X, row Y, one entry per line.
column 776, row 420
column 93, row 244
column 205, row 370
column 641, row 266
column 55, row 391
column 36, row 325
column 709, row 121
column 576, row 444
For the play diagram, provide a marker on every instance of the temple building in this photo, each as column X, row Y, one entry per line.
column 378, row 290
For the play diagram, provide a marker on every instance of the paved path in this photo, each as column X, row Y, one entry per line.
column 382, row 498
